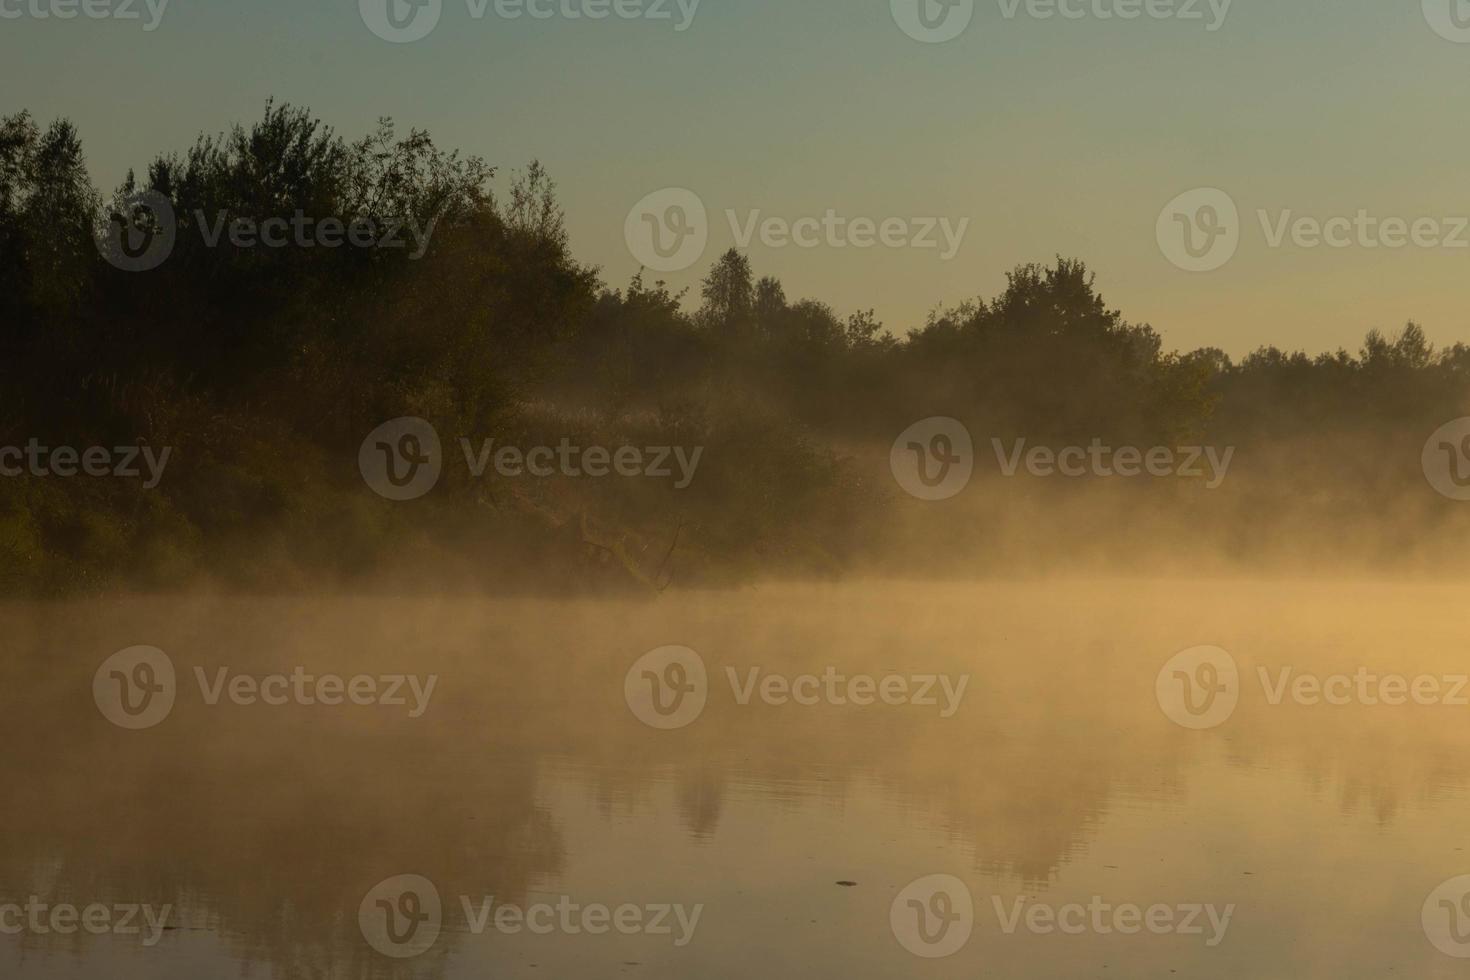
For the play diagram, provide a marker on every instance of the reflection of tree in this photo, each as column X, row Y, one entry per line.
column 273, row 840
column 269, row 826
column 700, row 794
column 266, row 828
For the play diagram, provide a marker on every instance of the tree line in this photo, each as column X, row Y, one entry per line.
column 263, row 368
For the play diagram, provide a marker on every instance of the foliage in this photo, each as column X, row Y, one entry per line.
column 263, row 368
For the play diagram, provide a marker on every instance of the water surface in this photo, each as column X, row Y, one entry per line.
column 528, row 778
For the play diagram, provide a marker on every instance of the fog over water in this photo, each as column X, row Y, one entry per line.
column 1060, row 779
column 676, row 490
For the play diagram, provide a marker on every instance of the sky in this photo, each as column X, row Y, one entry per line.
column 1092, row 136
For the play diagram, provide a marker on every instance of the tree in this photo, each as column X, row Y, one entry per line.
column 729, row 294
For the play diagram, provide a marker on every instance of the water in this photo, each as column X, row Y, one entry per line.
column 1057, row 781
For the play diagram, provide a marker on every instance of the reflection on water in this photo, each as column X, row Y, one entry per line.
column 528, row 778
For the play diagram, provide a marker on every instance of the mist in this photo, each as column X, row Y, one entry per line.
column 387, row 591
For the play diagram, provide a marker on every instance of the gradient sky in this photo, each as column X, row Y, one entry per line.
column 1052, row 136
